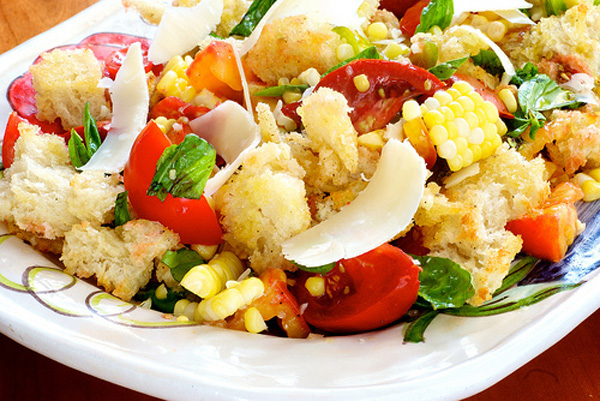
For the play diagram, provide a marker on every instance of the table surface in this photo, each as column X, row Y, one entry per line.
column 570, row 370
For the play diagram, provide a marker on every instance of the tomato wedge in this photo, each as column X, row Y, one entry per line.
column 192, row 219
column 363, row 293
column 412, row 17
column 397, row 7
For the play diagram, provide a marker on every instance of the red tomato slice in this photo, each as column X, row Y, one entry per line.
column 397, row 7
column 192, row 219
column 412, row 17
column 114, row 62
column 10, row 137
column 363, row 293
column 173, row 107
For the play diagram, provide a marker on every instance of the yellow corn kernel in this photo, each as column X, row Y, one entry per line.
column 182, row 319
column 481, row 114
column 296, row 81
column 395, row 50
column 435, row 30
column 475, row 97
column 228, row 301
column 477, row 21
column 501, row 126
column 486, row 150
column 496, row 30
column 190, row 310
column 310, row 76
column 443, row 97
column 461, row 144
column 372, row 140
column 489, row 130
column 471, row 119
column 432, row 103
column 209, row 279
column 283, row 81
column 253, row 321
column 591, row 190
column 161, row 292
column 315, row 286
column 361, row 82
column 580, row 178
column 476, row 151
column 491, row 111
column 206, row 251
column 433, row 117
column 344, row 51
column 377, row 31
column 455, row 163
column 466, row 103
column 595, row 174
column 468, row 157
column 455, row 93
column 438, row 134
column 476, row 136
column 448, row 150
column 179, row 309
column 456, row 108
column 463, row 87
column 164, row 123
column 509, row 99
column 452, row 129
column 291, row 96
column 463, row 127
column 447, row 113
column 411, row 110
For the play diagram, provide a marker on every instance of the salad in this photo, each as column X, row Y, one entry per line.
column 293, row 168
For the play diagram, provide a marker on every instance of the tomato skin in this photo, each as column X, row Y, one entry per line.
column 173, row 107
column 10, row 137
column 397, row 7
column 363, row 293
column 192, row 219
column 412, row 17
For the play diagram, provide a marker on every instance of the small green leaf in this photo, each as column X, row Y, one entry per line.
column 444, row 284
column 489, row 61
column 278, row 91
column 255, row 13
column 122, row 215
column 414, row 332
column 324, row 269
column 436, row 13
column 524, row 74
column 445, row 70
column 183, row 170
column 166, row 305
column 368, row 53
column 517, row 272
column 90, row 131
column 555, row 7
column 181, row 261
column 77, row 151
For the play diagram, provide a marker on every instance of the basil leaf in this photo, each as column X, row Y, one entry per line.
column 255, row 13
column 77, row 151
column 166, row 305
column 518, row 270
column 181, row 261
column 445, row 70
column 414, row 332
column 489, row 61
column 437, row 12
column 368, row 53
column 597, row 2
column 324, row 269
column 2, row 168
column 90, row 131
column 444, row 284
column 277, row 91
column 513, row 299
column 555, row 7
column 182, row 170
column 122, row 215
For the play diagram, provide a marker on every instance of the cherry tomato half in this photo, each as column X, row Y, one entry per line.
column 412, row 17
column 192, row 219
column 397, row 7
column 363, row 293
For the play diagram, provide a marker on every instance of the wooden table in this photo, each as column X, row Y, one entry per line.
column 568, row 371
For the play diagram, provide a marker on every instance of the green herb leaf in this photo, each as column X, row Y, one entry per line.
column 368, row 53
column 255, row 13
column 2, row 168
column 597, row 2
column 181, row 261
column 489, row 61
column 122, row 215
column 518, row 270
column 445, row 70
column 444, row 284
column 414, row 332
column 166, row 305
column 183, row 169
column 555, row 7
column 524, row 74
column 324, row 269
column 277, row 91
column 77, row 151
column 437, row 12
column 90, row 131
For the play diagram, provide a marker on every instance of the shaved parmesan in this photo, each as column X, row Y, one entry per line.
column 233, row 133
column 466, row 6
column 380, row 212
column 182, row 28
column 130, row 99
column 515, row 17
column 509, row 69
column 238, row 63
column 335, row 12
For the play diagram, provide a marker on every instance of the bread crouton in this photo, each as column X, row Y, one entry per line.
column 291, row 45
column 263, row 205
column 575, row 33
column 64, row 80
column 41, row 192
column 122, row 259
column 466, row 222
column 150, row 10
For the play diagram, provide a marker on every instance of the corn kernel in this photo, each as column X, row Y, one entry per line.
column 591, row 190
column 161, row 292
column 595, row 174
column 443, row 97
column 189, row 311
column 447, row 150
column 452, row 129
column 478, row 21
column 432, row 103
column 447, row 113
column 466, row 103
column 182, row 319
column 361, row 82
column 253, row 321
column 461, row 144
column 496, row 31
column 411, row 110
column 433, row 117
column 310, row 76
column 344, row 51
column 435, row 30
column 463, row 127
column 371, row 140
column 180, row 306
column 580, row 178
column 377, row 31
column 471, row 119
column 456, row 108
column 481, row 115
column 486, row 150
column 291, row 96
column 206, row 251
column 456, row 163
column 496, row 141
column 463, row 87
column 509, row 99
column 491, row 111
column 501, row 127
column 438, row 134
column 475, row 97
column 455, row 93
column 476, row 151
column 476, row 136
column 468, row 157
column 315, row 286
column 395, row 50
column 489, row 130
column 283, row 81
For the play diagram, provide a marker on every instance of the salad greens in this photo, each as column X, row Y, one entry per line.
column 80, row 152
column 122, row 215
column 181, row 261
column 489, row 61
column 277, row 91
column 445, row 70
column 436, row 13
column 250, row 20
column 165, row 305
column 316, row 269
column 183, row 169
column 555, row 7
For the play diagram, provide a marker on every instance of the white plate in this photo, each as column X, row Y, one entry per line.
column 72, row 322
